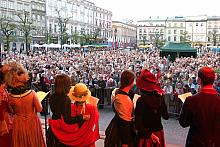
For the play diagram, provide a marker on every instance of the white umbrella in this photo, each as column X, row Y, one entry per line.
column 66, row 45
column 35, row 45
column 75, row 45
column 52, row 45
column 44, row 45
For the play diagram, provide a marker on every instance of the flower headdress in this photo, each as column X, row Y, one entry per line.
column 15, row 74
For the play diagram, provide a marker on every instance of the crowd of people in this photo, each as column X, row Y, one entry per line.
column 100, row 70
column 78, row 76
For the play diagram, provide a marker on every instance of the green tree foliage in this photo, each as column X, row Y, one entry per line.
column 185, row 37
column 214, row 36
column 62, row 23
column 157, row 39
column 26, row 26
column 96, row 34
column 48, row 36
column 8, row 30
column 144, row 40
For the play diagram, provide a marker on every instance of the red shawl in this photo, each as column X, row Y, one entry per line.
column 71, row 134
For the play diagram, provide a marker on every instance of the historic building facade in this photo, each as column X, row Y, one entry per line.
column 36, row 12
column 84, row 18
column 198, row 30
column 123, row 35
column 175, row 29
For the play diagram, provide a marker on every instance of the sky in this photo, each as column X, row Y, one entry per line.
column 142, row 9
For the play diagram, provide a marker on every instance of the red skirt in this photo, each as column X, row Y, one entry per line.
column 5, row 140
column 149, row 142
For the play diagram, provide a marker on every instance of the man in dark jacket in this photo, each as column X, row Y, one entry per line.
column 202, row 113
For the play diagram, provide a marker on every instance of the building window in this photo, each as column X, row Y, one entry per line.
column 209, row 39
column 55, row 28
column 181, row 31
column 202, row 24
column 140, row 30
column 174, row 38
column 174, row 31
column 169, row 31
column 169, row 38
column 197, row 24
column 169, row 24
column 50, row 27
column 175, row 24
column 10, row 5
column 3, row 4
column 181, row 25
column 181, row 38
column 71, row 29
column 144, row 30
column 19, row 6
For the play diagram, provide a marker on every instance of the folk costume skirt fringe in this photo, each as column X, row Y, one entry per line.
column 27, row 131
column 148, row 142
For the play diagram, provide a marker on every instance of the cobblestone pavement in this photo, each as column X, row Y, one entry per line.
column 175, row 135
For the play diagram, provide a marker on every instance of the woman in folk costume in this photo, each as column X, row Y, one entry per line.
column 149, row 109
column 81, row 134
column 123, row 135
column 60, row 105
column 5, row 119
column 27, row 130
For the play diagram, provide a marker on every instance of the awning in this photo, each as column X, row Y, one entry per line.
column 216, row 50
column 177, row 47
column 144, row 46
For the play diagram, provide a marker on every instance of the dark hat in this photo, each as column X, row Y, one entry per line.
column 148, row 82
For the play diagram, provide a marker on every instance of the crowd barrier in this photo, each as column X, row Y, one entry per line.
column 104, row 96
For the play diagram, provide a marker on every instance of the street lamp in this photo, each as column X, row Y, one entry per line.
column 192, row 34
column 1, row 41
column 115, row 31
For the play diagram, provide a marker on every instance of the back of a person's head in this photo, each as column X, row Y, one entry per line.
column 62, row 84
column 127, row 78
column 207, row 75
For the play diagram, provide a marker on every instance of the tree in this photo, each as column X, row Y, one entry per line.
column 96, row 34
column 62, row 23
column 48, row 36
column 26, row 26
column 157, row 39
column 8, row 29
column 75, row 37
column 144, row 40
column 88, row 38
column 185, row 37
column 214, row 36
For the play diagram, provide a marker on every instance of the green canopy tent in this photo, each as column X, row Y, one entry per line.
column 178, row 50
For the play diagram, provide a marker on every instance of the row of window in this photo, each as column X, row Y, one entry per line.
column 81, row 8
column 150, row 30
column 38, row 7
column 55, row 29
column 14, row 5
column 175, row 24
column 175, row 31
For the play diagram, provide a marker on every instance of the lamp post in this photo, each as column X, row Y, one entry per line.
column 1, row 41
column 115, row 32
column 192, row 35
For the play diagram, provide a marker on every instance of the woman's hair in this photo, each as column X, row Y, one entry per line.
column 62, row 84
column 127, row 78
column 1, row 78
